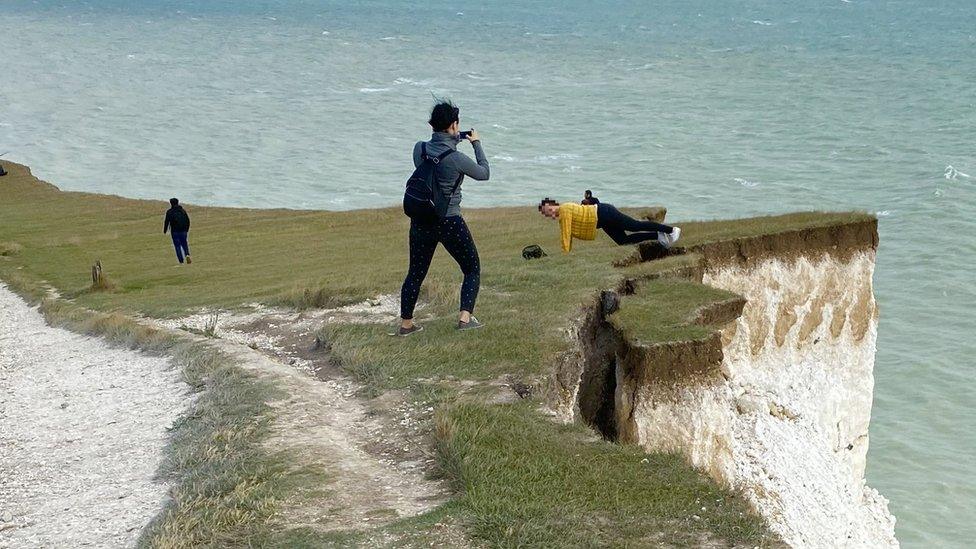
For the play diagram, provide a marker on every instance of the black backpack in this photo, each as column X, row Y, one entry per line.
column 533, row 252
column 422, row 199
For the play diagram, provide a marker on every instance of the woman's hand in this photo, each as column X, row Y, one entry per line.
column 473, row 136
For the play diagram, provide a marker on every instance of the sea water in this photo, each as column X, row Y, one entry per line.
column 715, row 108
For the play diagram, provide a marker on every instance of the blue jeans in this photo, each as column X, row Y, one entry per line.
column 182, row 247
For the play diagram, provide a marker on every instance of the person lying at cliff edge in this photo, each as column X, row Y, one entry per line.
column 582, row 221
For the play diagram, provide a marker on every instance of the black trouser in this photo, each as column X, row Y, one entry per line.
column 617, row 224
column 453, row 233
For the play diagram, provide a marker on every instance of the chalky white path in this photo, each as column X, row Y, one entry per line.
column 82, row 430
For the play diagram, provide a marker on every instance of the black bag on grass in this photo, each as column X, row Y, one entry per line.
column 533, row 252
column 422, row 199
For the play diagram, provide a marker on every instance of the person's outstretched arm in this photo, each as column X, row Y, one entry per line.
column 566, row 229
column 476, row 169
column 166, row 223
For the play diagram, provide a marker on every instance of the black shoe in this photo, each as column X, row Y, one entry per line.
column 472, row 324
column 404, row 332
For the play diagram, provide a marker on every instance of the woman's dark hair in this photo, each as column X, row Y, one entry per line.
column 443, row 115
column 547, row 200
column 588, row 193
column 173, row 201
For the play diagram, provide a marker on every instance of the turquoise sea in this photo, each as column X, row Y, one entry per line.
column 714, row 108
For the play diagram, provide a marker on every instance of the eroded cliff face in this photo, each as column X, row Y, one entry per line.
column 786, row 419
column 776, row 403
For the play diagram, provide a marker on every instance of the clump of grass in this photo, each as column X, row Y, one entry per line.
column 321, row 297
column 227, row 484
column 100, row 281
column 210, row 327
column 8, row 249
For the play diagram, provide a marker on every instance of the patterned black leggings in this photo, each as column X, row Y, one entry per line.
column 453, row 233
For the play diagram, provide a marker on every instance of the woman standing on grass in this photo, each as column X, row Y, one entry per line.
column 449, row 230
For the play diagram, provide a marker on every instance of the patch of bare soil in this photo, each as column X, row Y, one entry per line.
column 376, row 453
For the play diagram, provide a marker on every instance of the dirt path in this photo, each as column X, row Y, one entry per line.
column 375, row 452
column 325, row 425
column 82, row 429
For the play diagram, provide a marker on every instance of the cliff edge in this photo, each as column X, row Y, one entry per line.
column 770, row 389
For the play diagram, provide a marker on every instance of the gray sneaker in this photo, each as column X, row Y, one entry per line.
column 664, row 239
column 472, row 324
column 404, row 332
column 668, row 239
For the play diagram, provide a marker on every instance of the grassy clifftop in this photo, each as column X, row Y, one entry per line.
column 520, row 479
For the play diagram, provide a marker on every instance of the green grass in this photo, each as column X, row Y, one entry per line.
column 521, row 480
column 700, row 232
column 300, row 258
column 532, row 483
column 664, row 310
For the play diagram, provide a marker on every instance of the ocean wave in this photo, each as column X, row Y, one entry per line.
column 746, row 182
column 554, row 157
column 540, row 159
column 763, row 23
column 410, row 82
column 373, row 90
column 953, row 174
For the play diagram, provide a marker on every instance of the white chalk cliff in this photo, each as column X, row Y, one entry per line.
column 786, row 422
column 781, row 413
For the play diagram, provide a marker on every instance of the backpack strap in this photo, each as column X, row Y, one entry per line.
column 437, row 159
column 443, row 155
column 456, row 185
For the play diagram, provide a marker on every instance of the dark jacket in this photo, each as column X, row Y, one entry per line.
column 177, row 219
column 454, row 166
column 590, row 201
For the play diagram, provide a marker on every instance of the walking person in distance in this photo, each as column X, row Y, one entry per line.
column 178, row 223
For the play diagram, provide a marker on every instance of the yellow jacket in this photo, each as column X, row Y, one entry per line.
column 576, row 221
